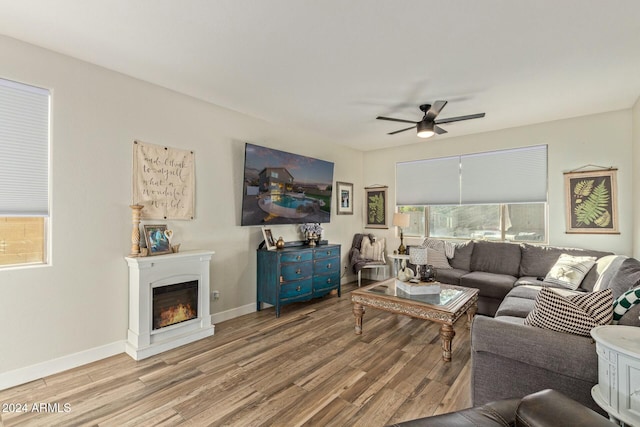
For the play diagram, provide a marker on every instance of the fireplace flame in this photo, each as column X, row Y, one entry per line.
column 176, row 314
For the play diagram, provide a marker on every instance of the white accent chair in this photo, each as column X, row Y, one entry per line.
column 377, row 265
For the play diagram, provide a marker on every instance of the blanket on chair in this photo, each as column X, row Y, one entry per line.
column 356, row 261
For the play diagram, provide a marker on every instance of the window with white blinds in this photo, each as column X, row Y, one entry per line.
column 508, row 176
column 24, row 173
column 24, row 150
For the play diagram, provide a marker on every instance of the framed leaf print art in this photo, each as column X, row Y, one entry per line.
column 591, row 201
column 376, row 207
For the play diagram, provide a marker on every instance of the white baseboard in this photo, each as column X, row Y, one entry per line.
column 233, row 313
column 40, row 370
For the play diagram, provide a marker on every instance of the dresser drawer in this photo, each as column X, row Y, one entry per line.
column 295, row 271
column 296, row 289
column 328, row 252
column 299, row 256
column 331, row 281
column 327, row 266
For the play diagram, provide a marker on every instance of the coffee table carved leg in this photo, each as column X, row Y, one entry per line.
column 446, row 333
column 470, row 313
column 358, row 311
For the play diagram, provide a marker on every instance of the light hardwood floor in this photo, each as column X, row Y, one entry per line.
column 306, row 368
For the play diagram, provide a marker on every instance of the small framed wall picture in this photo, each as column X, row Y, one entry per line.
column 269, row 241
column 157, row 239
column 344, row 194
column 376, row 207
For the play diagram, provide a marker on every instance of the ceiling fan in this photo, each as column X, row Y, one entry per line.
column 428, row 126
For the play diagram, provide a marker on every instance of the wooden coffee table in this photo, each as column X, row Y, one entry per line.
column 444, row 308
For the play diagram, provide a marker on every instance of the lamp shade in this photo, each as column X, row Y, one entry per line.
column 425, row 129
column 418, row 255
column 401, row 220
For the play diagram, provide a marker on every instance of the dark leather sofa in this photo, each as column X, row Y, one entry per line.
column 546, row 408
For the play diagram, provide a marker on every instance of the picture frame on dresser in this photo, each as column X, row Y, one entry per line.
column 155, row 235
column 269, row 241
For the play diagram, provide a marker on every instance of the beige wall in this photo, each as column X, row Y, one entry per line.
column 79, row 303
column 635, row 112
column 603, row 139
column 76, row 309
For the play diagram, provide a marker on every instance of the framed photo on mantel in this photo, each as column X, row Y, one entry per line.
column 157, row 239
column 376, row 207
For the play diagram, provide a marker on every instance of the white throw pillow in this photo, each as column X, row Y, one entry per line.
column 569, row 270
column 372, row 250
column 437, row 259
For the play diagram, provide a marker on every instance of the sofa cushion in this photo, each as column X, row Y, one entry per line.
column 451, row 276
column 537, row 260
column 515, row 307
column 462, row 256
column 490, row 284
column 496, row 257
column 607, row 268
column 577, row 314
column 569, row 270
column 626, row 277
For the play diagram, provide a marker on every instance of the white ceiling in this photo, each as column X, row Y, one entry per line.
column 331, row 66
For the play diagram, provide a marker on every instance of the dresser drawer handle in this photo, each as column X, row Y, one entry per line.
column 328, row 252
column 329, row 265
column 328, row 280
column 298, row 258
column 298, row 288
column 298, row 271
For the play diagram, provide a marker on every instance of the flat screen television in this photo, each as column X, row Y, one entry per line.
column 285, row 188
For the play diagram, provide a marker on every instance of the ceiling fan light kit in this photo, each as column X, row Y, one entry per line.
column 427, row 127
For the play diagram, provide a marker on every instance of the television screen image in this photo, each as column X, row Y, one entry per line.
column 285, row 188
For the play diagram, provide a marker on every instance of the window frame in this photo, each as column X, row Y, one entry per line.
column 15, row 216
column 425, row 218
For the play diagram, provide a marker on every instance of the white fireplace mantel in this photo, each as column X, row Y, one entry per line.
column 146, row 273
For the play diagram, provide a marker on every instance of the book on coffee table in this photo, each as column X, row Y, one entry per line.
column 420, row 288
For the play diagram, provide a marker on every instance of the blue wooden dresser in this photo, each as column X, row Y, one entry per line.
column 296, row 274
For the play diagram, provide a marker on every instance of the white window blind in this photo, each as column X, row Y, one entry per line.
column 24, row 150
column 507, row 176
column 435, row 180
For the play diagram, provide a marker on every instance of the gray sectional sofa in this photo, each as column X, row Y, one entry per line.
column 495, row 268
column 510, row 359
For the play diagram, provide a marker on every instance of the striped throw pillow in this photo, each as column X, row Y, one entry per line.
column 372, row 250
column 569, row 270
column 625, row 302
column 575, row 314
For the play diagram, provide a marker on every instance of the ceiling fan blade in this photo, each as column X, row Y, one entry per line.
column 401, row 130
column 439, row 130
column 396, row 120
column 459, row 118
column 435, row 109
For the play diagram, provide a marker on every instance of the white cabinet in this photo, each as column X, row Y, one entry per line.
column 618, row 388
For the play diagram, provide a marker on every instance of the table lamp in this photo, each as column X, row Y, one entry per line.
column 418, row 256
column 401, row 220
